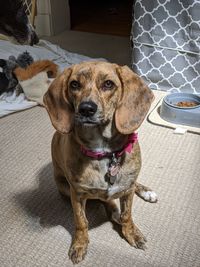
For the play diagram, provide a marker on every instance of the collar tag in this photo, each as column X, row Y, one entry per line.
column 113, row 169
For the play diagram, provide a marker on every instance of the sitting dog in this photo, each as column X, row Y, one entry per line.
column 96, row 107
column 14, row 22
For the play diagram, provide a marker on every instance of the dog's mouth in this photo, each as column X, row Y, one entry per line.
column 88, row 121
column 23, row 35
column 29, row 37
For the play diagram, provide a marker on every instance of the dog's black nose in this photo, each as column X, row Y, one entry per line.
column 87, row 108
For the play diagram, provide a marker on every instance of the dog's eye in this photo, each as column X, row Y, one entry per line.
column 108, row 85
column 74, row 85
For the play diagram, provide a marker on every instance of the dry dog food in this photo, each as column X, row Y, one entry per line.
column 187, row 104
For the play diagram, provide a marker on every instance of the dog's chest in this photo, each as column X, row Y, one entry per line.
column 97, row 182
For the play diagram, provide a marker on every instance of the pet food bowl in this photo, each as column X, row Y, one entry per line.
column 181, row 108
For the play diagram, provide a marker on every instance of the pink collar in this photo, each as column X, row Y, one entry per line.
column 133, row 138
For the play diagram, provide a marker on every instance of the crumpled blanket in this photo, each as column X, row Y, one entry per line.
column 10, row 103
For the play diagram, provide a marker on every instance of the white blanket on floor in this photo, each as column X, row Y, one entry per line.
column 10, row 103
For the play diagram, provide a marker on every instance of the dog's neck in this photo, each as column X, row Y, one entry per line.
column 100, row 138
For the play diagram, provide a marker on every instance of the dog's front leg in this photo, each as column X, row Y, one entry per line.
column 129, row 229
column 80, row 241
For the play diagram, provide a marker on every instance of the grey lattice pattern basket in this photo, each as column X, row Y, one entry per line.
column 166, row 44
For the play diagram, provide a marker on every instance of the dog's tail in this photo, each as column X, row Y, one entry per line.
column 36, row 67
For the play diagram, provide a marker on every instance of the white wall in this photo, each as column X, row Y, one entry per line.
column 53, row 17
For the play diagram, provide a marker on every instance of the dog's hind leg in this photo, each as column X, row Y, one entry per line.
column 112, row 210
column 61, row 181
column 145, row 193
column 62, row 185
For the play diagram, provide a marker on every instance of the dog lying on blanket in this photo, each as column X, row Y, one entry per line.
column 14, row 22
column 96, row 107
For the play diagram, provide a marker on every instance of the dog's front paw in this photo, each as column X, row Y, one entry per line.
column 134, row 236
column 78, row 251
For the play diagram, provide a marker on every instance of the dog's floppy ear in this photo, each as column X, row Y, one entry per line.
column 135, row 102
column 56, row 102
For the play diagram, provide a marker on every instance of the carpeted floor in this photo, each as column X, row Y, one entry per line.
column 36, row 224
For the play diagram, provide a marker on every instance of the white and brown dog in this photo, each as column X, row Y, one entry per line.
column 96, row 107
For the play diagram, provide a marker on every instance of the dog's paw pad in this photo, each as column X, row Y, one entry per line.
column 149, row 196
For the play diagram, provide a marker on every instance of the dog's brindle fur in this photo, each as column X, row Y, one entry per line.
column 121, row 108
column 14, row 22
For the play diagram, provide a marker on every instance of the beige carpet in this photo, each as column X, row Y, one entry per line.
column 36, row 224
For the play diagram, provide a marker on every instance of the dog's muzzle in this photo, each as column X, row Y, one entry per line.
column 33, row 38
column 87, row 113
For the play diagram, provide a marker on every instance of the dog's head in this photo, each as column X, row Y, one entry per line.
column 98, row 93
column 14, row 22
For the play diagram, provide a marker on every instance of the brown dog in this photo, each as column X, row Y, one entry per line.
column 95, row 108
